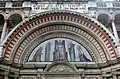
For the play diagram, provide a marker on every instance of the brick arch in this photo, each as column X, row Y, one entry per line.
column 57, row 32
column 18, row 35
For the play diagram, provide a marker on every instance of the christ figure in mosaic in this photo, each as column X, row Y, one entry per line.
column 71, row 51
column 60, row 51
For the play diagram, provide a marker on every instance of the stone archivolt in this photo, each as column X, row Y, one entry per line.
column 37, row 26
column 61, row 33
column 25, row 37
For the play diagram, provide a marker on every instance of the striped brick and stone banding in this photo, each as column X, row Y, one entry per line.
column 62, row 31
column 75, row 23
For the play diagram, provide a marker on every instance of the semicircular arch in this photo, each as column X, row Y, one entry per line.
column 101, row 38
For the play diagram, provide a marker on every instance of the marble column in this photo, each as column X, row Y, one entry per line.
column 4, row 31
column 115, row 30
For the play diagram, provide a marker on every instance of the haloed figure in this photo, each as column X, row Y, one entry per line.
column 60, row 51
column 81, row 55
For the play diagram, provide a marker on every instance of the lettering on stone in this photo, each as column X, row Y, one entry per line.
column 41, row 7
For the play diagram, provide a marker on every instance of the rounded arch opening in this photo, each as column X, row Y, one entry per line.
column 117, row 18
column 13, row 20
column 104, row 19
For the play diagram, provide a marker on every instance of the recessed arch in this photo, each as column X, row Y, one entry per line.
column 104, row 19
column 13, row 20
column 51, row 36
column 117, row 17
column 19, row 39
